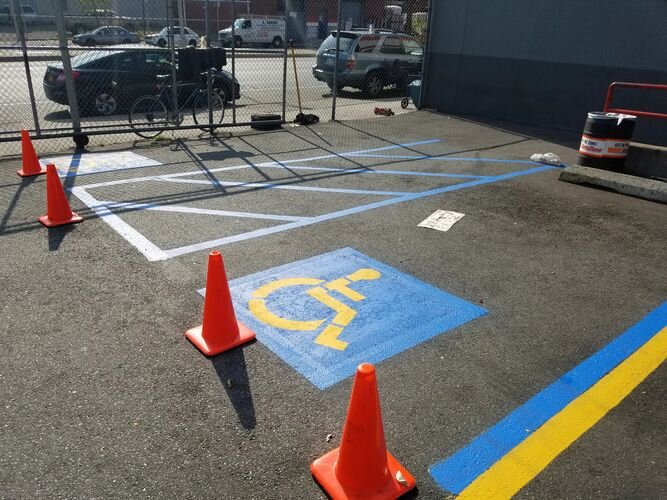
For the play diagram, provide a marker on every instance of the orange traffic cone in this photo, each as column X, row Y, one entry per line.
column 361, row 467
column 31, row 164
column 58, row 210
column 219, row 331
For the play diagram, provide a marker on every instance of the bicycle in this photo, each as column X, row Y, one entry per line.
column 154, row 111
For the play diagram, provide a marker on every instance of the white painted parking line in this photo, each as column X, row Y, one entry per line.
column 105, row 208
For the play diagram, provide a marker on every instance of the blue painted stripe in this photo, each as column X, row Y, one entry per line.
column 371, row 170
column 455, row 473
column 443, row 158
column 350, row 211
column 363, row 151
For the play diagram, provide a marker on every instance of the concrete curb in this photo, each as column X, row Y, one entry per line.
column 647, row 189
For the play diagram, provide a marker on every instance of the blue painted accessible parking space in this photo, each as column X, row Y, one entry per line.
column 326, row 314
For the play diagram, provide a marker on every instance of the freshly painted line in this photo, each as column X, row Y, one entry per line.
column 194, row 210
column 458, row 472
column 280, row 164
column 134, row 237
column 516, row 469
column 350, row 211
column 445, row 158
column 289, row 187
column 371, row 170
column 362, row 151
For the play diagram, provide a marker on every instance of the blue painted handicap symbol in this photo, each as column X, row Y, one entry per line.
column 327, row 314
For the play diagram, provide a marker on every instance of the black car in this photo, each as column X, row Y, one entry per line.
column 107, row 82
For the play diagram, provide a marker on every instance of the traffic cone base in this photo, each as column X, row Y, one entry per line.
column 194, row 335
column 22, row 173
column 31, row 165
column 74, row 219
column 58, row 211
column 323, row 470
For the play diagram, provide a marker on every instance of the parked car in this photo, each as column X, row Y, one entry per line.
column 82, row 23
column 107, row 82
column 262, row 31
column 161, row 39
column 106, row 35
column 369, row 61
column 28, row 14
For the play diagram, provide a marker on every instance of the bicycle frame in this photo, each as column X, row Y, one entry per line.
column 164, row 96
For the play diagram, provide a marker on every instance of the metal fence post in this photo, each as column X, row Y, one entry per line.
column 67, row 66
column 285, row 63
column 209, row 74
column 172, row 51
column 20, row 33
column 206, row 34
column 233, row 61
column 334, row 91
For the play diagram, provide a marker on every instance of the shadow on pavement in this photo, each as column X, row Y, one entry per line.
column 231, row 369
column 225, row 155
column 25, row 182
column 57, row 235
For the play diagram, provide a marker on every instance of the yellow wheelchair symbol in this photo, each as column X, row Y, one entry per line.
column 344, row 313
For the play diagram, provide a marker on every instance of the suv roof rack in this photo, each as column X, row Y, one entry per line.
column 381, row 31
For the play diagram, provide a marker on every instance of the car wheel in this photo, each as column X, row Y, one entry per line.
column 162, row 43
column 238, row 42
column 277, row 42
column 192, row 43
column 105, row 104
column 373, row 85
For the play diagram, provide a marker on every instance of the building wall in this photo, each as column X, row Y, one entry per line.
column 546, row 62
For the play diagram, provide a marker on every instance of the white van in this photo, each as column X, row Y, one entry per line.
column 263, row 31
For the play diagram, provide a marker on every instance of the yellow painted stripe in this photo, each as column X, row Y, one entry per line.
column 344, row 314
column 518, row 467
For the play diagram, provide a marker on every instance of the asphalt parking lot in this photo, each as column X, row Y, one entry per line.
column 527, row 295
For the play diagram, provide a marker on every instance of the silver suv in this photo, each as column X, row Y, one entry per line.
column 369, row 61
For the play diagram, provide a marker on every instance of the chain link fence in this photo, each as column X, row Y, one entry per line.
column 114, row 71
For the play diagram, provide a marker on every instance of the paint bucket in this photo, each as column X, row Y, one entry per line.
column 606, row 140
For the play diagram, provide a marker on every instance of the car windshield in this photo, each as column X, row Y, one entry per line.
column 238, row 23
column 346, row 41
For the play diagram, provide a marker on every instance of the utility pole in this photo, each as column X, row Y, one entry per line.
column 181, row 17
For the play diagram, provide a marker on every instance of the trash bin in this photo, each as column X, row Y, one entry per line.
column 606, row 140
column 415, row 89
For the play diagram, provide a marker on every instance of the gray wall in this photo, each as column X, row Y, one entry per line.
column 546, row 62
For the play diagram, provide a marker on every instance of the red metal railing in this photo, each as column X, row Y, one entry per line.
column 610, row 95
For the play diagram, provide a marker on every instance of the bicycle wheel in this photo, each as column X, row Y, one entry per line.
column 148, row 112
column 200, row 111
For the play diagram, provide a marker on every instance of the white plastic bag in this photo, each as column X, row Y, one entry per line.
column 547, row 158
